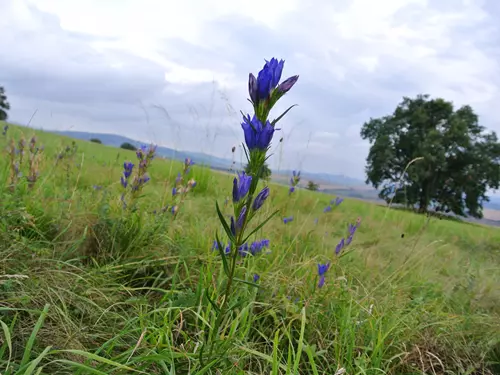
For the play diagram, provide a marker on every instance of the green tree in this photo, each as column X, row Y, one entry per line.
column 311, row 185
column 4, row 105
column 265, row 172
column 460, row 160
column 128, row 146
column 96, row 140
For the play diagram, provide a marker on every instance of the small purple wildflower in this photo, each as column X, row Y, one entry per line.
column 241, row 186
column 294, row 181
column 316, row 221
column 258, row 136
column 349, row 239
column 321, row 281
column 174, row 191
column 256, row 277
column 260, row 198
column 287, row 84
column 322, row 269
column 337, row 201
column 327, row 209
column 339, row 246
column 286, row 220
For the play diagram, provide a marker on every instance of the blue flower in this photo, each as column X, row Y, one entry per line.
column 255, row 277
column 321, row 281
column 322, row 268
column 286, row 220
column 327, row 209
column 127, row 169
column 260, row 198
column 336, row 201
column 257, row 135
column 267, row 79
column 174, row 191
column 241, row 186
column 287, row 84
column 339, row 246
column 243, row 250
column 349, row 239
column 352, row 229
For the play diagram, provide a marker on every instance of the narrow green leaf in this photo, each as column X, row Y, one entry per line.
column 246, row 282
column 312, row 362
column 220, row 248
column 260, row 225
column 275, row 121
column 276, row 343
column 31, row 340
column 214, row 305
column 7, row 340
column 95, row 357
column 32, row 366
column 301, row 342
column 224, row 223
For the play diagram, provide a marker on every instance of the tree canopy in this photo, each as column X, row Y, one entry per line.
column 459, row 160
column 4, row 105
column 311, row 185
column 128, row 146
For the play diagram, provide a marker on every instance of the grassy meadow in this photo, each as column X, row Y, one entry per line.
column 88, row 287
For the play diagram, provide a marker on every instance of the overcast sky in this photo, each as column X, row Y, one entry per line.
column 175, row 72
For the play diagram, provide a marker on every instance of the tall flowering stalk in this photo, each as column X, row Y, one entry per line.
column 265, row 90
column 133, row 184
column 294, row 181
column 181, row 187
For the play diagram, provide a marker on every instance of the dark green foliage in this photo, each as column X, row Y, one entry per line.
column 460, row 160
column 4, row 105
column 265, row 172
column 97, row 140
column 311, row 185
column 128, row 146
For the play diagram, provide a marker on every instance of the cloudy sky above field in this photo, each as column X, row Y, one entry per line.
column 175, row 72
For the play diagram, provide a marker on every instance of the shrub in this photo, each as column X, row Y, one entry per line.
column 128, row 146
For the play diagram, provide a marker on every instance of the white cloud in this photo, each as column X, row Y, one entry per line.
column 98, row 65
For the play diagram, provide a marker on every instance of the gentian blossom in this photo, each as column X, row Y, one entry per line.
column 258, row 136
column 339, row 246
column 241, row 186
column 322, row 268
column 260, row 198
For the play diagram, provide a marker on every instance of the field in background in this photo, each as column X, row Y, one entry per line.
column 412, row 295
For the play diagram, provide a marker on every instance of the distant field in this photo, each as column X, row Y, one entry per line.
column 88, row 285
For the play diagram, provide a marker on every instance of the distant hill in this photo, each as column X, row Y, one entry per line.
column 213, row 161
column 117, row 140
column 329, row 183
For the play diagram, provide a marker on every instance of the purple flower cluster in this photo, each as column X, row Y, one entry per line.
column 253, row 249
column 346, row 242
column 261, row 89
column 294, row 181
column 333, row 203
column 322, row 268
column 145, row 155
column 287, row 220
